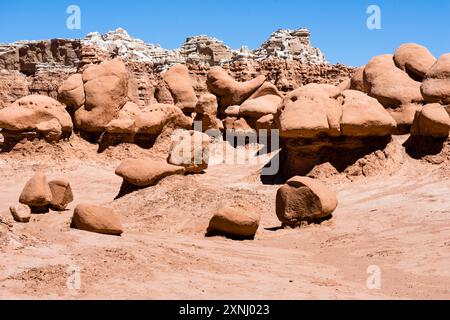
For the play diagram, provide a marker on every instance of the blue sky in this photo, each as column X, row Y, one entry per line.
column 338, row 27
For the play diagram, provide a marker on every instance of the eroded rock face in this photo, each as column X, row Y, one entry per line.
column 96, row 219
column 106, row 90
column 391, row 86
column 436, row 84
column 61, row 194
column 229, row 91
column 431, row 121
column 239, row 222
column 71, row 92
column 20, row 212
column 190, row 149
column 321, row 112
column 415, row 59
column 36, row 192
column 320, row 124
column 304, row 199
column 363, row 116
column 206, row 109
column 180, row 85
column 39, row 114
column 146, row 172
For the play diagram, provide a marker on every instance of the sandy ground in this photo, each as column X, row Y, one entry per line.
column 399, row 222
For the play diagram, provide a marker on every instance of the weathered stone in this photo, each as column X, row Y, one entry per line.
column 96, row 219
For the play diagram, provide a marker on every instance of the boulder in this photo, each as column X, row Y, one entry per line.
column 320, row 112
column 20, row 212
column 180, row 85
column 357, row 80
column 232, row 111
column 237, row 126
column 61, row 194
column 231, row 92
column 190, row 149
column 146, row 172
column 415, row 59
column 304, row 199
column 37, row 113
column 125, row 122
column 260, row 106
column 158, row 116
column 436, row 83
column 240, row 222
column 96, row 219
column 206, row 110
column 71, row 92
column 106, row 92
column 36, row 192
column 390, row 85
column 432, row 121
column 364, row 116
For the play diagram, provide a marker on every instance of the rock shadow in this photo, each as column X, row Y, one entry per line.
column 418, row 147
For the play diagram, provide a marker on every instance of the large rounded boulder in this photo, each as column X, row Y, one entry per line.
column 364, row 116
column 71, row 92
column 304, row 199
column 236, row 222
column 39, row 114
column 96, row 219
column 432, row 121
column 309, row 111
column 106, row 92
column 436, row 84
column 180, row 85
column 146, row 172
column 415, row 59
column 391, row 86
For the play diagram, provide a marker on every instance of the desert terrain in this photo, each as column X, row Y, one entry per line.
column 399, row 221
column 97, row 202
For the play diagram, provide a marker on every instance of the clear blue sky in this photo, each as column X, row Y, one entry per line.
column 338, row 27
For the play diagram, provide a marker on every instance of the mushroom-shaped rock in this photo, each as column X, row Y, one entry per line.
column 106, row 90
column 390, row 85
column 180, row 85
column 432, row 121
column 309, row 111
column 364, row 116
column 61, row 194
column 190, row 149
column 96, row 219
column 436, row 84
column 37, row 113
column 229, row 90
column 304, row 199
column 415, row 59
column 146, row 172
column 71, row 92
column 20, row 212
column 237, row 222
column 36, row 192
